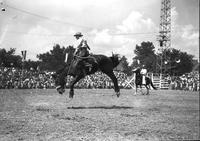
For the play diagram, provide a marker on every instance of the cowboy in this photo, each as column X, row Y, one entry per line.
column 82, row 43
column 143, row 72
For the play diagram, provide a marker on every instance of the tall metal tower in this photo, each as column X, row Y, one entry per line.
column 164, row 36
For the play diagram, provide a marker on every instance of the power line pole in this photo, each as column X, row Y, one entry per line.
column 23, row 61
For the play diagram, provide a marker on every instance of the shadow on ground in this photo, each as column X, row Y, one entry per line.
column 101, row 107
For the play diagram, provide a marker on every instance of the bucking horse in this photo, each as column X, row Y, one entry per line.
column 78, row 69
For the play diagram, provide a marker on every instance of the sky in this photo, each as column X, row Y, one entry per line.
column 108, row 25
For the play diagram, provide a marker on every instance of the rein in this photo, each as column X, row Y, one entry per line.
column 83, row 57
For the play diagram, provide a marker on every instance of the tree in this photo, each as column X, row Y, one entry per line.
column 196, row 65
column 31, row 64
column 124, row 66
column 54, row 59
column 135, row 64
column 9, row 59
column 176, row 62
column 145, row 53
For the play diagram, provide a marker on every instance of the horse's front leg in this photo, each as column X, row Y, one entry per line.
column 147, row 89
column 141, row 90
column 114, row 79
column 72, row 83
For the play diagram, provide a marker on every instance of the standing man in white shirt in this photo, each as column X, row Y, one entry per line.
column 143, row 73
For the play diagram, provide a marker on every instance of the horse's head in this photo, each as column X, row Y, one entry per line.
column 59, row 82
column 137, row 71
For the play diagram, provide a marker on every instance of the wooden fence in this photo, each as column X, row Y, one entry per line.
column 159, row 81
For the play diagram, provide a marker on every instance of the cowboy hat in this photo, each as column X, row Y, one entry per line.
column 78, row 34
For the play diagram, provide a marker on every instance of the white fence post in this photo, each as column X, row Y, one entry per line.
column 160, row 81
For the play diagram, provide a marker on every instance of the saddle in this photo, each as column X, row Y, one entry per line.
column 82, row 55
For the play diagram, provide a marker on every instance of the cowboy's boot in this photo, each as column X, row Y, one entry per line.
column 90, row 68
column 88, row 65
column 84, row 72
column 84, row 69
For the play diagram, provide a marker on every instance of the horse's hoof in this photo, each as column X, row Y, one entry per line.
column 118, row 94
column 60, row 90
column 69, row 100
column 71, row 94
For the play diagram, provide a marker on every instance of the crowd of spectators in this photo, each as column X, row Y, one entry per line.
column 30, row 79
column 100, row 80
column 187, row 82
column 23, row 79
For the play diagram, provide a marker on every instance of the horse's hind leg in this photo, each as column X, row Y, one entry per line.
column 136, row 87
column 114, row 79
column 141, row 90
column 147, row 89
column 72, row 83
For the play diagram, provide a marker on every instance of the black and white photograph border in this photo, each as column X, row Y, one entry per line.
column 99, row 70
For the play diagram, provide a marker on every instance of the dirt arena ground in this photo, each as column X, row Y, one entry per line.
column 98, row 115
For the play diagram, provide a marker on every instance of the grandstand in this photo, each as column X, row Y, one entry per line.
column 11, row 78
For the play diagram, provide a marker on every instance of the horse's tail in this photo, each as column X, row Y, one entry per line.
column 115, row 60
column 153, row 85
